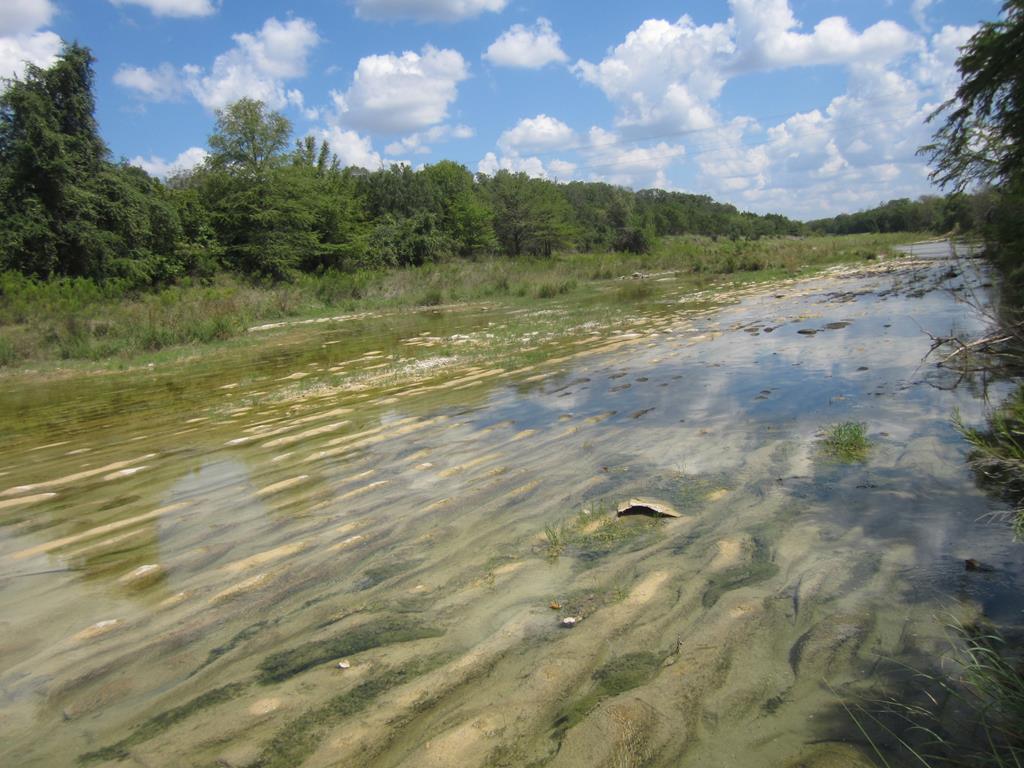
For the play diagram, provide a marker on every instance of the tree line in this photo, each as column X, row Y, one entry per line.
column 262, row 206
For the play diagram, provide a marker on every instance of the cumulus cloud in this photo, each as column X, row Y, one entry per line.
column 611, row 159
column 536, row 134
column 175, row 8
column 20, row 38
column 527, row 47
column 157, row 166
column 40, row 49
column 531, row 166
column 401, row 94
column 426, row 10
column 766, row 38
column 18, row 17
column 417, row 143
column 257, row 67
column 937, row 64
column 350, row 147
column 160, row 84
column 664, row 74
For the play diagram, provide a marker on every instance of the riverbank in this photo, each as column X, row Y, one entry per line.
column 84, row 326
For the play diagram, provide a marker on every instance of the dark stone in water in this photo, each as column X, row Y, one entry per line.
column 971, row 564
column 837, row 325
column 807, row 331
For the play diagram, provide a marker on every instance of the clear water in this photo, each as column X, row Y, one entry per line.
column 186, row 555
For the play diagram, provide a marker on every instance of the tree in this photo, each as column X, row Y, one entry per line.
column 248, row 140
column 982, row 139
column 65, row 209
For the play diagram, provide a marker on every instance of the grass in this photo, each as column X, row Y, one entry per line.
column 971, row 717
column 998, row 454
column 76, row 319
column 594, row 534
column 846, row 442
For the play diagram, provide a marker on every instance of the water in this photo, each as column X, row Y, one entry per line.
column 185, row 555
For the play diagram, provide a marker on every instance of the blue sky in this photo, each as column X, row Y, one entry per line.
column 804, row 107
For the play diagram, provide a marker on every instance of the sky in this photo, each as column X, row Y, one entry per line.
column 803, row 107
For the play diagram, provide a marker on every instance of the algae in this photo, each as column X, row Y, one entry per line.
column 282, row 665
column 621, row 674
column 160, row 723
column 759, row 568
column 301, row 737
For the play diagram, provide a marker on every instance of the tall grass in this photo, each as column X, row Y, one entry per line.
column 998, row 454
column 970, row 715
column 68, row 318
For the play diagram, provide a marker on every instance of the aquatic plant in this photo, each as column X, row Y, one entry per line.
column 998, row 455
column 971, row 717
column 596, row 533
column 282, row 665
column 621, row 674
column 299, row 738
column 846, row 441
column 160, row 723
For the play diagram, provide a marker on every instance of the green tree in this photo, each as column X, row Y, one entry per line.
column 65, row 209
column 248, row 140
column 981, row 141
column 260, row 208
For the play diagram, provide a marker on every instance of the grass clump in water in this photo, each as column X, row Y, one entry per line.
column 846, row 441
column 285, row 664
column 619, row 675
column 160, row 723
column 998, row 455
column 593, row 535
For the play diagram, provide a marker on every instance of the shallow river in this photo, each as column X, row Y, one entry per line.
column 186, row 556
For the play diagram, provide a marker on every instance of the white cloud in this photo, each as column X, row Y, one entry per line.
column 350, row 147
column 40, row 49
column 160, row 84
column 18, row 17
column 611, row 159
column 426, row 10
column 531, row 166
column 527, row 47
column 400, row 94
column 536, row 134
column 417, row 142
column 157, row 166
column 20, row 40
column 937, row 65
column 664, row 74
column 562, row 169
column 766, row 39
column 174, row 8
column 257, row 68
column 919, row 10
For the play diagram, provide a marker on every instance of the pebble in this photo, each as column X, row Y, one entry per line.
column 570, row 621
column 344, row 664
